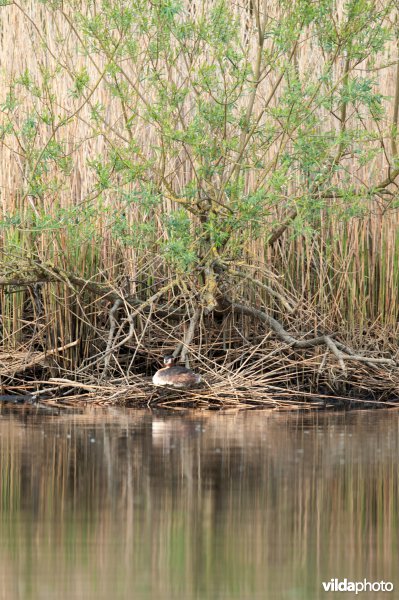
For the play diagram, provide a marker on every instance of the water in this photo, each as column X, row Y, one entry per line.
column 196, row 505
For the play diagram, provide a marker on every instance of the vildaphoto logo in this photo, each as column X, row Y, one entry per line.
column 336, row 585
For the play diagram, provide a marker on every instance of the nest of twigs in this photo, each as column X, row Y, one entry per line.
column 270, row 357
column 265, row 374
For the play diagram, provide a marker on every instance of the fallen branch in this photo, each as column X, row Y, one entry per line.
column 341, row 351
column 111, row 349
column 51, row 274
column 30, row 359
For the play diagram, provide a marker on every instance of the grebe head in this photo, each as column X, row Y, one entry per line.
column 169, row 361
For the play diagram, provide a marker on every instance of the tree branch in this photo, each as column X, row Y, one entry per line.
column 182, row 349
column 339, row 350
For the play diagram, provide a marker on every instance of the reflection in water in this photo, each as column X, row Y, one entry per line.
column 129, row 504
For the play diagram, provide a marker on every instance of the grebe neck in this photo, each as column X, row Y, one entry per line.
column 169, row 365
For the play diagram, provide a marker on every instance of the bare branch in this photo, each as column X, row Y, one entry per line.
column 323, row 340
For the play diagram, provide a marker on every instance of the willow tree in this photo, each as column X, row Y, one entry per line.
column 217, row 125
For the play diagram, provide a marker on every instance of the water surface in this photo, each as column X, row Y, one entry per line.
column 196, row 505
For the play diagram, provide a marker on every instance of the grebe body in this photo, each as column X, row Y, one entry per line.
column 175, row 376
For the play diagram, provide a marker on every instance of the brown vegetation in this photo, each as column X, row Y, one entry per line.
column 294, row 317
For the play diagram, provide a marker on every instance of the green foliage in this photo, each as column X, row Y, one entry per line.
column 178, row 249
column 220, row 115
column 81, row 82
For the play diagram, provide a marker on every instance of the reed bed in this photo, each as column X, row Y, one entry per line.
column 241, row 364
column 342, row 277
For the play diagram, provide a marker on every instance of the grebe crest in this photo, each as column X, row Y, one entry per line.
column 173, row 375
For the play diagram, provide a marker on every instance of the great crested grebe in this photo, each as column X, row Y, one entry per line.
column 174, row 376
